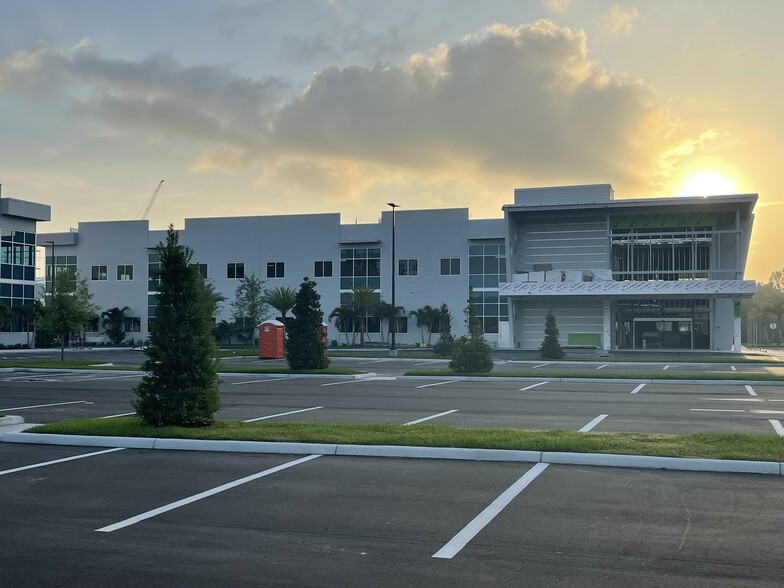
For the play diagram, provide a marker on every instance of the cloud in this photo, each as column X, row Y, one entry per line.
column 157, row 95
column 559, row 6
column 619, row 21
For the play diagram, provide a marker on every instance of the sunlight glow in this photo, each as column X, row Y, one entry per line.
column 706, row 183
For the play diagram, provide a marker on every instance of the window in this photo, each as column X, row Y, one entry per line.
column 360, row 267
column 402, row 324
column 132, row 324
column 275, row 269
column 99, row 272
column 486, row 265
column 54, row 267
column 202, row 267
column 450, row 266
column 235, row 271
column 407, row 267
column 323, row 269
column 125, row 273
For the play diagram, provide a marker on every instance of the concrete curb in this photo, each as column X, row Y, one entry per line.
column 561, row 458
column 10, row 420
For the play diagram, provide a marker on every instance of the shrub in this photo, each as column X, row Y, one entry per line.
column 471, row 354
column 551, row 348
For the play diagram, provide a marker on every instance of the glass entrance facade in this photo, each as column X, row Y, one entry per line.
column 662, row 324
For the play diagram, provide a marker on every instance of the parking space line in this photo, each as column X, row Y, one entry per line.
column 777, row 427
column 257, row 381
column 481, row 520
column 341, row 382
column 201, row 495
column 593, row 423
column 114, row 416
column 532, row 386
column 637, row 389
column 542, row 365
column 750, row 390
column 716, row 410
column 64, row 459
column 429, row 362
column 272, row 416
column 435, row 416
column 604, row 365
column 767, row 411
column 45, row 405
column 28, row 379
column 373, row 361
column 666, row 367
column 104, row 378
column 734, row 399
column 732, row 367
column 437, row 384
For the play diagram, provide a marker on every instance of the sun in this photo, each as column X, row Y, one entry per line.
column 706, row 183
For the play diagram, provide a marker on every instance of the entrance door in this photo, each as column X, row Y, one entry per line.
column 663, row 333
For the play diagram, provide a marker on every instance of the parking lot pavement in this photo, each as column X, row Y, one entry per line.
column 358, row 521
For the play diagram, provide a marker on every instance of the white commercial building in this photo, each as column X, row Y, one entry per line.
column 618, row 274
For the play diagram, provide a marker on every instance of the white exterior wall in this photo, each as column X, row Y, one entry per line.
column 571, row 316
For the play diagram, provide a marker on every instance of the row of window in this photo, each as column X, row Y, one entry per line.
column 450, row 266
column 100, row 273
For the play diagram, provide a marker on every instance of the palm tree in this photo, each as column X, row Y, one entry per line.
column 6, row 317
column 363, row 299
column 281, row 299
column 112, row 322
column 344, row 318
column 387, row 311
column 425, row 317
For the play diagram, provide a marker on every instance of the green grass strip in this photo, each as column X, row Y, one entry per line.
column 603, row 375
column 705, row 445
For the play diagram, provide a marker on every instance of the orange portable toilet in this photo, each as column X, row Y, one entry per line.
column 271, row 337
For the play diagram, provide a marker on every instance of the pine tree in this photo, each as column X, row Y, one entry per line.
column 446, row 340
column 471, row 354
column 181, row 384
column 551, row 348
column 305, row 349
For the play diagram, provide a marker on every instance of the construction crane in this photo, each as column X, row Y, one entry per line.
column 142, row 214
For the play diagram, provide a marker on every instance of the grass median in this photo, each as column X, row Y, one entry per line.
column 604, row 375
column 705, row 445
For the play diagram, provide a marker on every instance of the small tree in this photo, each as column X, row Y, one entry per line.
column 551, row 348
column 446, row 340
column 112, row 321
column 181, row 384
column 425, row 317
column 471, row 354
column 67, row 306
column 6, row 317
column 306, row 349
column 281, row 299
column 344, row 318
column 249, row 306
column 363, row 299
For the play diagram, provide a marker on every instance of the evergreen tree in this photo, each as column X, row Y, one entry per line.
column 67, row 306
column 471, row 354
column 445, row 341
column 305, row 349
column 181, row 384
column 551, row 348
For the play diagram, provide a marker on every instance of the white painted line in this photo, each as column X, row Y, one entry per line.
column 666, row 367
column 532, row 386
column 341, row 382
column 280, row 414
column 28, row 378
column 734, row 399
column 437, row 384
column 777, row 427
column 750, row 390
column 105, row 378
column 481, row 520
column 637, row 389
column 732, row 367
column 604, row 365
column 775, row 399
column 259, row 381
column 593, row 423
column 429, row 362
column 716, row 410
column 767, row 411
column 542, row 365
column 45, row 405
column 54, row 461
column 373, row 361
column 435, row 416
column 201, row 495
column 112, row 416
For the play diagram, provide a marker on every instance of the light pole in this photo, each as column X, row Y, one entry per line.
column 393, row 322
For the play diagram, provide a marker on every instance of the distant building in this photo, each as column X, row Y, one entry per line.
column 18, row 220
column 661, row 273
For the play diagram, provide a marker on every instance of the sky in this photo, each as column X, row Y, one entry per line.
column 307, row 106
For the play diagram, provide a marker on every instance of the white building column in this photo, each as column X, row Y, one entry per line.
column 606, row 325
column 736, row 326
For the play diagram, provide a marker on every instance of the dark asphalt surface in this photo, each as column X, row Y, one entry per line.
column 337, row 521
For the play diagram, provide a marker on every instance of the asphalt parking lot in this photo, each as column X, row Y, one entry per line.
column 159, row 518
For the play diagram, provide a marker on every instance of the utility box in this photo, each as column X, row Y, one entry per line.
column 272, row 335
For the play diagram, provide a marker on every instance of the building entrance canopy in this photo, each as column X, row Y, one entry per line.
column 630, row 289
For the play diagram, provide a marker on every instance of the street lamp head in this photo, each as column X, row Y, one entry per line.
column 393, row 205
